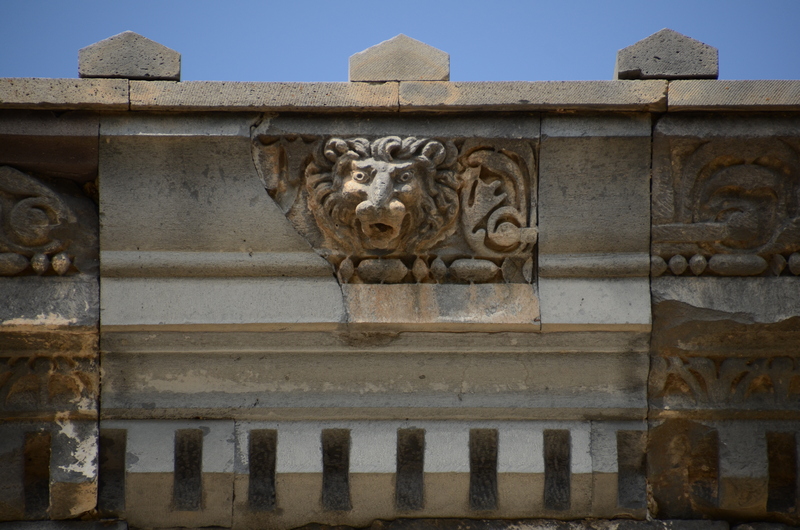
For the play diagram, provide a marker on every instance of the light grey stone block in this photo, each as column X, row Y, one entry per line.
column 239, row 96
column 206, row 303
column 64, row 525
column 745, row 95
column 129, row 55
column 531, row 96
column 63, row 94
column 594, row 191
column 667, row 54
column 191, row 193
column 571, row 304
column 400, row 58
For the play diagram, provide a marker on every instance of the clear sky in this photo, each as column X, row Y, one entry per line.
column 489, row 40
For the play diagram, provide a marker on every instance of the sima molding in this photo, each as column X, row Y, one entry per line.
column 406, row 209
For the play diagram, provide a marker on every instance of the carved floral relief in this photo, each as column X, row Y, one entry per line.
column 727, row 207
column 402, row 209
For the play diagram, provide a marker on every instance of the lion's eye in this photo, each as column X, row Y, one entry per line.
column 405, row 177
column 358, row 176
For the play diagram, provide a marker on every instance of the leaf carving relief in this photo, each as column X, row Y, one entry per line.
column 45, row 382
column 407, row 209
column 719, row 382
column 728, row 207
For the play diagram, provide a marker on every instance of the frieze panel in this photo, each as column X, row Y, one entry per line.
column 719, row 382
column 727, row 207
column 406, row 209
column 43, row 230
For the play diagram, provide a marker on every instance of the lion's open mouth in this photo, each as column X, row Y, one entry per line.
column 382, row 228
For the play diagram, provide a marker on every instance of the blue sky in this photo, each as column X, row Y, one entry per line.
column 490, row 40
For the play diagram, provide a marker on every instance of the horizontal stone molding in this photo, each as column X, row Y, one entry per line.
column 133, row 264
column 622, row 265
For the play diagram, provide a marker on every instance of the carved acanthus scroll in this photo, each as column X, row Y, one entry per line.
column 30, row 214
column 397, row 209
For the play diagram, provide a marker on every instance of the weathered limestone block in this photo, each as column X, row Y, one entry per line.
column 376, row 375
column 400, row 58
column 667, row 54
column 724, row 469
column 726, row 194
column 130, row 56
column 49, row 380
column 726, row 345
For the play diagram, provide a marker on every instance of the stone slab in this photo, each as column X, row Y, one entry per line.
column 495, row 307
column 188, row 193
column 57, row 145
column 239, row 96
column 544, row 524
column 400, row 58
column 421, row 384
column 594, row 191
column 32, row 302
column 130, row 56
column 728, row 95
column 726, row 125
column 667, row 54
column 209, row 303
column 188, row 124
column 572, row 304
column 532, row 96
column 63, row 94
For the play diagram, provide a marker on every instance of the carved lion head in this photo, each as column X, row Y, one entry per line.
column 388, row 196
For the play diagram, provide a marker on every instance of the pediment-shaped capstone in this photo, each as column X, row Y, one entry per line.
column 400, row 59
column 131, row 56
column 667, row 54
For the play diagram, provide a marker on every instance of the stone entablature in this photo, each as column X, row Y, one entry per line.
column 399, row 297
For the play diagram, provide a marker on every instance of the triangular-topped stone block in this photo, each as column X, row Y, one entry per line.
column 129, row 56
column 400, row 59
column 667, row 54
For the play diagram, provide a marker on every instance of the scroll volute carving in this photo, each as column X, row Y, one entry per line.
column 735, row 205
column 400, row 209
column 44, row 228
